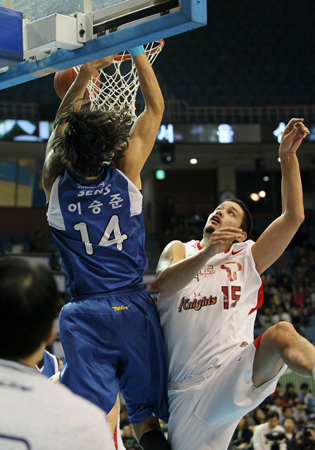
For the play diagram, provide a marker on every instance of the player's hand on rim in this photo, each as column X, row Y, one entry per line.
column 93, row 66
column 293, row 135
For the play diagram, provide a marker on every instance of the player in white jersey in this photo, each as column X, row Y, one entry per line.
column 209, row 294
column 35, row 414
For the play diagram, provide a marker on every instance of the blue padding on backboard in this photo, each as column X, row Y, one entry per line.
column 192, row 14
column 11, row 37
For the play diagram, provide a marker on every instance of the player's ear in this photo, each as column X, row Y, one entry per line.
column 243, row 236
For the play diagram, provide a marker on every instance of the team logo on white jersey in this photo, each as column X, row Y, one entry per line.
column 188, row 304
column 232, row 269
column 204, row 272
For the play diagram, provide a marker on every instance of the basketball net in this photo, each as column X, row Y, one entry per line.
column 118, row 84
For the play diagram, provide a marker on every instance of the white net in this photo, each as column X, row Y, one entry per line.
column 118, row 84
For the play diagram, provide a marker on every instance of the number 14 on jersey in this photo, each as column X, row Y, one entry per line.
column 111, row 228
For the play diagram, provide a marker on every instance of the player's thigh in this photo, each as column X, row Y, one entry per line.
column 91, row 342
column 144, row 375
column 187, row 431
column 231, row 394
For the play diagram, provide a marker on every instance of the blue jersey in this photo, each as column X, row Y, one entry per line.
column 98, row 226
column 50, row 366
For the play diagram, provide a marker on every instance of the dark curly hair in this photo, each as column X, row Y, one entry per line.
column 92, row 139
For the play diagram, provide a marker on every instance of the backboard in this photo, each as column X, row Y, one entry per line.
column 64, row 33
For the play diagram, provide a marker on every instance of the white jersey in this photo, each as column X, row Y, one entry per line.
column 37, row 415
column 213, row 314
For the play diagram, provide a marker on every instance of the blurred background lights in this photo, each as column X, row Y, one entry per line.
column 160, row 174
column 262, row 194
column 193, row 161
column 255, row 197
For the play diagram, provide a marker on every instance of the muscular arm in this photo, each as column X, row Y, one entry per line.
column 52, row 165
column 278, row 235
column 174, row 271
column 145, row 129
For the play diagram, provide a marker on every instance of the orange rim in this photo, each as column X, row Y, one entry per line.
column 153, row 50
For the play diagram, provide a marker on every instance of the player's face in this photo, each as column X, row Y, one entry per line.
column 227, row 214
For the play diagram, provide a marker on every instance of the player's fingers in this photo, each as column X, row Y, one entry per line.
column 291, row 124
column 294, row 121
column 229, row 229
column 228, row 238
column 302, row 129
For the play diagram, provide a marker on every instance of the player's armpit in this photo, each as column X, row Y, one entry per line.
column 274, row 240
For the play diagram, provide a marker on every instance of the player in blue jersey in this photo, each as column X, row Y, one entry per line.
column 110, row 329
column 49, row 365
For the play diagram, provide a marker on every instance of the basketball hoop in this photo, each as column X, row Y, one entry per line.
column 118, row 84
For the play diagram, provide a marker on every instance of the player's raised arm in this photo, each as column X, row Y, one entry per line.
column 278, row 235
column 74, row 96
column 145, row 129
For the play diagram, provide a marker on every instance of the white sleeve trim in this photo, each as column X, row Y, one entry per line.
column 54, row 214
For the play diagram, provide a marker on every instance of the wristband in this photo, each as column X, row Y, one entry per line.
column 136, row 51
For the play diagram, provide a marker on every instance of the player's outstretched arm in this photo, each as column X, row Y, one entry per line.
column 146, row 127
column 52, row 165
column 278, row 235
column 175, row 271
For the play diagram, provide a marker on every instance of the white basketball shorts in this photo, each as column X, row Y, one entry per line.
column 204, row 413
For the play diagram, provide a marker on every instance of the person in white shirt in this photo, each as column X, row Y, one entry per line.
column 35, row 414
column 270, row 433
column 209, row 295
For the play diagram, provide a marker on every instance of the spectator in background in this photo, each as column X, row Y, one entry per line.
column 287, row 412
column 306, row 437
column 30, row 407
column 290, row 396
column 300, row 413
column 277, row 406
column 309, row 400
column 242, row 435
column 304, row 389
column 263, row 434
column 259, row 416
column 289, row 427
column 299, row 297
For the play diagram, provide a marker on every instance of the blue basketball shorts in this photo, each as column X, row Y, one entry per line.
column 114, row 343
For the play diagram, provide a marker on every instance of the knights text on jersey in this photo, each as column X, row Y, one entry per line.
column 37, row 415
column 214, row 314
column 99, row 230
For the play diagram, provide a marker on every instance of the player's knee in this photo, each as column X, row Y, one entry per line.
column 282, row 333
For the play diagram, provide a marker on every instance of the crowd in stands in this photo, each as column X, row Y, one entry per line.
column 283, row 421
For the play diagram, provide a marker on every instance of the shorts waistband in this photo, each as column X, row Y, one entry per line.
column 137, row 287
column 193, row 380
